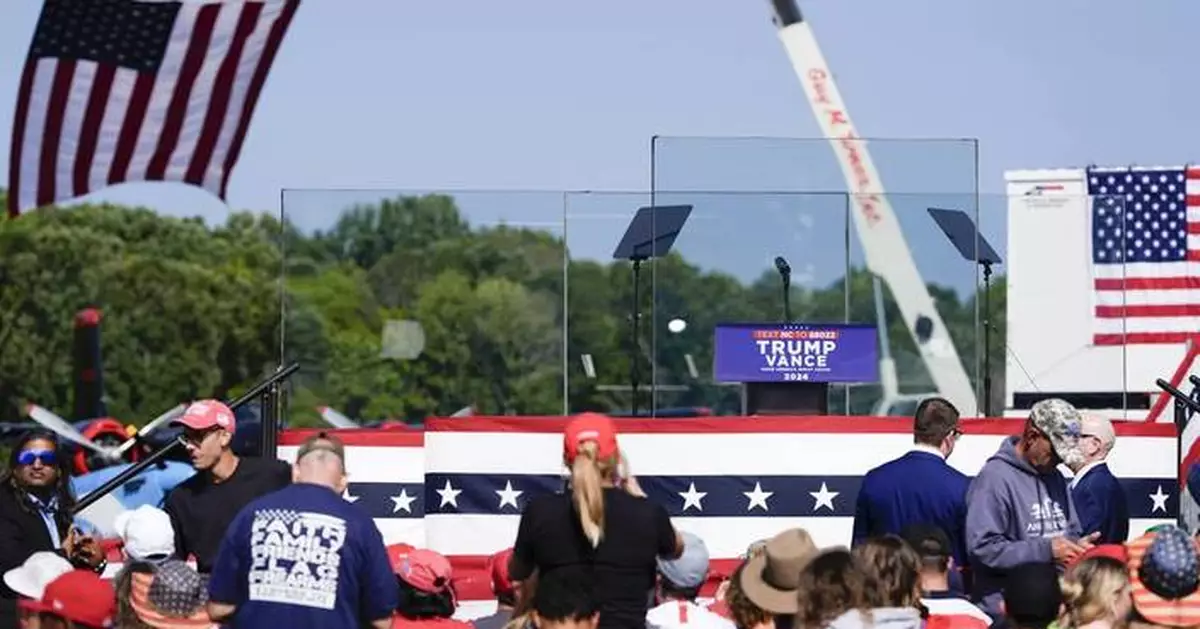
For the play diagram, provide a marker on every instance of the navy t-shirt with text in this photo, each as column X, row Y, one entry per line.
column 304, row 557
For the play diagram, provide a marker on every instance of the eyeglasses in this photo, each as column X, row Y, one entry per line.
column 27, row 457
column 194, row 438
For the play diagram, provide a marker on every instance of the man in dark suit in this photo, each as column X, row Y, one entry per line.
column 1099, row 500
column 919, row 488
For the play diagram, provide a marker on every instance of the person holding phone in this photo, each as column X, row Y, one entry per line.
column 36, row 505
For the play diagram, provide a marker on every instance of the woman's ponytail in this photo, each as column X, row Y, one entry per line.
column 588, row 492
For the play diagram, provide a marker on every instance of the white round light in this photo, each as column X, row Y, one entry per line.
column 676, row 325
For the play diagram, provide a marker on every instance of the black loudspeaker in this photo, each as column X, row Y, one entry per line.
column 785, row 398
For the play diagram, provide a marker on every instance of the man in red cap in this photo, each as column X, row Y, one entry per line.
column 504, row 590
column 202, row 507
column 427, row 599
column 79, row 598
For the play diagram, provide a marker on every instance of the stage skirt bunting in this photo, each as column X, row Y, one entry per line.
column 459, row 487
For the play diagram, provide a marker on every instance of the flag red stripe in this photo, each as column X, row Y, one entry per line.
column 1147, row 283
column 18, row 135
column 1145, row 338
column 1148, row 310
column 60, row 92
column 274, row 39
column 193, row 61
column 1193, row 228
column 1193, row 199
column 1193, row 255
column 89, row 134
column 218, row 105
column 135, row 116
column 1193, row 173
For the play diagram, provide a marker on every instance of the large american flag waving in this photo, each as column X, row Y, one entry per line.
column 139, row 90
column 1145, row 235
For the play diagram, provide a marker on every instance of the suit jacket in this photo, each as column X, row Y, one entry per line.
column 22, row 533
column 1102, row 505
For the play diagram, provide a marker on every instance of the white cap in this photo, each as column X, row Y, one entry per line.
column 146, row 532
column 30, row 578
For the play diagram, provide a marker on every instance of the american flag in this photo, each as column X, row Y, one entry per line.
column 1145, row 235
column 125, row 90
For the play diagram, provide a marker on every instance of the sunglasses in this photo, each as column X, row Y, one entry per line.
column 27, row 457
column 195, row 438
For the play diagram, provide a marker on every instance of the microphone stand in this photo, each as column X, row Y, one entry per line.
column 787, row 297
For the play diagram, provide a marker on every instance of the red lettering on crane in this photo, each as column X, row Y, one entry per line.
column 850, row 144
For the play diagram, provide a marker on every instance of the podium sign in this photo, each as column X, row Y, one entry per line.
column 795, row 352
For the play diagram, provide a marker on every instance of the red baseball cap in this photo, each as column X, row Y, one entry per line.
column 79, row 596
column 590, row 427
column 397, row 553
column 498, row 569
column 206, row 414
column 424, row 569
column 1112, row 551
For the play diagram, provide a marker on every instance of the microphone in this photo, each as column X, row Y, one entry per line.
column 781, row 265
column 785, row 272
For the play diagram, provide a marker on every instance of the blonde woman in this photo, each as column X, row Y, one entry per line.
column 1096, row 595
column 603, row 524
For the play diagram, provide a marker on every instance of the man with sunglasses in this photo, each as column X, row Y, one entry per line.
column 1019, row 509
column 920, row 487
column 36, row 506
column 202, row 507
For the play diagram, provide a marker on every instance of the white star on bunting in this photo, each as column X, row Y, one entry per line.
column 692, row 498
column 1160, row 500
column 758, row 497
column 449, row 495
column 403, row 501
column 824, row 498
column 508, row 495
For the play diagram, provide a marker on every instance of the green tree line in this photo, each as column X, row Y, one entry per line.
column 195, row 311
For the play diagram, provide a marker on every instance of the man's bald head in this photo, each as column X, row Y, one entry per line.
column 1098, row 437
column 321, row 460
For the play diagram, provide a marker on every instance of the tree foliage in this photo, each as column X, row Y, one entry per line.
column 195, row 311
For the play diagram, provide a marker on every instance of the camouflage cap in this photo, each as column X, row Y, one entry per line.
column 1062, row 424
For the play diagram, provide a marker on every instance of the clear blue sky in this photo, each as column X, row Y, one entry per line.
column 553, row 95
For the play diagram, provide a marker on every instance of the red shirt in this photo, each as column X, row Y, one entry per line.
column 400, row 622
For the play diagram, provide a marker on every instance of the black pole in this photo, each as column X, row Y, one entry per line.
column 161, row 453
column 1180, row 396
column 268, row 408
column 987, row 339
column 635, row 346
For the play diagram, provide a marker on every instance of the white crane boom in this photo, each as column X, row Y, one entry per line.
column 875, row 221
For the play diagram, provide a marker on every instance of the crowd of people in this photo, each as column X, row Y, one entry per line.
column 1017, row 547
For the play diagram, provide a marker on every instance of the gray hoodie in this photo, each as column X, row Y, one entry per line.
column 1012, row 513
column 879, row 618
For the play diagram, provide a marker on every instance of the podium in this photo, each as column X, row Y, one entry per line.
column 785, row 398
column 786, row 368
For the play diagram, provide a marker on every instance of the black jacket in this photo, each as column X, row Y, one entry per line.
column 22, row 533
